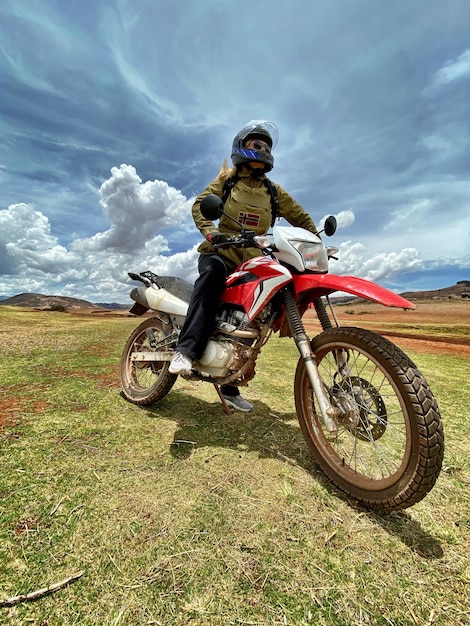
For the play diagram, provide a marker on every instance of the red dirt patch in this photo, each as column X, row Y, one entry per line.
column 10, row 410
column 40, row 405
column 25, row 526
column 110, row 380
column 395, row 323
column 429, row 345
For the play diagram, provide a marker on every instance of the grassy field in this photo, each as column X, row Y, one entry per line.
column 180, row 514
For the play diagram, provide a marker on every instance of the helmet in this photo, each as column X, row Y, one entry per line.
column 256, row 129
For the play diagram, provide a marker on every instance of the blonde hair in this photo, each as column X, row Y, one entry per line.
column 226, row 171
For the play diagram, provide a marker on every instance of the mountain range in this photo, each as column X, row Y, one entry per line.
column 42, row 302
column 63, row 303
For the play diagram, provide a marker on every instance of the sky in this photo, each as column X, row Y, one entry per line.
column 115, row 114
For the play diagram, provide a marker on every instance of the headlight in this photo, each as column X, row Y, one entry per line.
column 300, row 249
column 313, row 255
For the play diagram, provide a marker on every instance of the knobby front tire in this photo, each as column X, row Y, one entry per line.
column 388, row 450
column 146, row 383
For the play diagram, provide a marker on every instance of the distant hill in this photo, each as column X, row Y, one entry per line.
column 62, row 303
column 459, row 290
column 113, row 305
column 48, row 303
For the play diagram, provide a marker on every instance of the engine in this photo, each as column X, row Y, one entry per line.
column 235, row 323
column 231, row 343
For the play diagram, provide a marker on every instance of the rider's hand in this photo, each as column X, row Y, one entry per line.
column 216, row 237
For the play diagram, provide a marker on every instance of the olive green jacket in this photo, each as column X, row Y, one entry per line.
column 249, row 204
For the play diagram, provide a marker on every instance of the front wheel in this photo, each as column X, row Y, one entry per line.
column 387, row 452
column 146, row 382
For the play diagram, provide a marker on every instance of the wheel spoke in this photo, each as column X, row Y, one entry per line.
column 145, row 382
column 368, row 443
column 387, row 451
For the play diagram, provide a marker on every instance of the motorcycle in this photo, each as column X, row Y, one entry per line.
column 366, row 412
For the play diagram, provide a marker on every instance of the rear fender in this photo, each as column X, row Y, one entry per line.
column 325, row 284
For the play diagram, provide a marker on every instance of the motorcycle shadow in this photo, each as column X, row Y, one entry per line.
column 201, row 423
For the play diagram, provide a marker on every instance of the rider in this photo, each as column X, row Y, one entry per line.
column 249, row 204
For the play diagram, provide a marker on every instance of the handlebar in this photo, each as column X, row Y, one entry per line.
column 244, row 240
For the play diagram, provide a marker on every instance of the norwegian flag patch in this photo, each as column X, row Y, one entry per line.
column 248, row 219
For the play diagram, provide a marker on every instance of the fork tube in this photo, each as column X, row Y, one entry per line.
column 322, row 314
column 303, row 345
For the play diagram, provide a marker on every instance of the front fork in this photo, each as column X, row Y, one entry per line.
column 329, row 413
column 341, row 356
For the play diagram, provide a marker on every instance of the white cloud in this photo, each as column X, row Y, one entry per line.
column 345, row 218
column 417, row 212
column 455, row 70
column 27, row 245
column 136, row 211
column 95, row 268
column 354, row 259
column 462, row 263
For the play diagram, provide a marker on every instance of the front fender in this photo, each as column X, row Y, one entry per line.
column 324, row 284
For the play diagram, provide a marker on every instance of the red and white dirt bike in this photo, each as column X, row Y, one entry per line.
column 367, row 414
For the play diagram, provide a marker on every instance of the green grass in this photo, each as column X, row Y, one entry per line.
column 179, row 514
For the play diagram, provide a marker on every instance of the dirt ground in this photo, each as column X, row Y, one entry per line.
column 430, row 327
column 422, row 329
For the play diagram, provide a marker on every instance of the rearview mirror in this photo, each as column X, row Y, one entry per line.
column 212, row 207
column 330, row 225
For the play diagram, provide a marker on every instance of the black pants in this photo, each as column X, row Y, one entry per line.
column 202, row 310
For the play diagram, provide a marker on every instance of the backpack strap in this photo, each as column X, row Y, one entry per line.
column 274, row 199
column 231, row 182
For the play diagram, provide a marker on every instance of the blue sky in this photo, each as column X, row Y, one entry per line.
column 114, row 114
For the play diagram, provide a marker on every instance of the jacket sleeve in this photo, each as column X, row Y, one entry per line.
column 206, row 226
column 291, row 210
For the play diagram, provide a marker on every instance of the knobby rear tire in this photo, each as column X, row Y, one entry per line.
column 145, row 383
column 388, row 454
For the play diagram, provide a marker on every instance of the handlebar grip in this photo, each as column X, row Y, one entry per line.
column 243, row 241
column 225, row 244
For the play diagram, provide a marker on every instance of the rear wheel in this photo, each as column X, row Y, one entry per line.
column 388, row 449
column 143, row 382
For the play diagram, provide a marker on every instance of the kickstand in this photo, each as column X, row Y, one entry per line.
column 225, row 406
